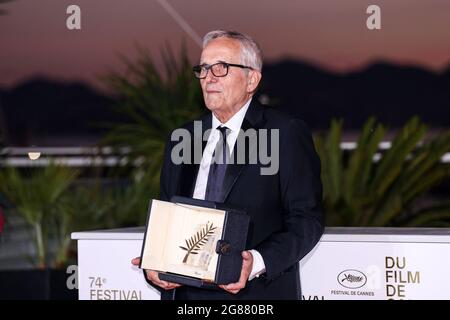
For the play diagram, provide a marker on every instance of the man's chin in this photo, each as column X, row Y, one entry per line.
column 213, row 106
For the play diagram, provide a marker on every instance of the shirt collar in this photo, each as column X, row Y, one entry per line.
column 235, row 122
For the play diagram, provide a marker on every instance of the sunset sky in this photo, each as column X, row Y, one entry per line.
column 34, row 39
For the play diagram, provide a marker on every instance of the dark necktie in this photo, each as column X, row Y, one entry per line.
column 218, row 167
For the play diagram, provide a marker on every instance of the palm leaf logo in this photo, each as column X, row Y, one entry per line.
column 195, row 243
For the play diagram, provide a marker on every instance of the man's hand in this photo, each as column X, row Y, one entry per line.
column 153, row 277
column 247, row 265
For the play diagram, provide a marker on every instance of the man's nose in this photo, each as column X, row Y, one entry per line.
column 210, row 77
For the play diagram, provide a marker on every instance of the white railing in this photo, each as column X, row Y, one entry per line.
column 94, row 156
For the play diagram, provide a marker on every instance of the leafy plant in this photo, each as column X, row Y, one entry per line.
column 152, row 103
column 195, row 243
column 55, row 204
column 359, row 191
column 37, row 196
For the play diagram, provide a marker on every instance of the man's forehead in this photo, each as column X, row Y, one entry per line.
column 221, row 50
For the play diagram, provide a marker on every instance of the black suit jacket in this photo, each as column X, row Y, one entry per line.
column 285, row 208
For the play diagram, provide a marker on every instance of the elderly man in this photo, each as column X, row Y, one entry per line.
column 284, row 206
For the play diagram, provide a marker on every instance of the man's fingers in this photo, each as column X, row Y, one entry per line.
column 136, row 261
column 153, row 277
column 172, row 286
column 230, row 288
column 247, row 264
column 234, row 286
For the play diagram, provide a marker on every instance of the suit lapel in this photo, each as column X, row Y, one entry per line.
column 189, row 171
column 254, row 119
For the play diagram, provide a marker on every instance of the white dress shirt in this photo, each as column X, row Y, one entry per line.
column 234, row 125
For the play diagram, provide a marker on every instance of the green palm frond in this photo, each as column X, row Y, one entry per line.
column 361, row 166
column 37, row 195
column 330, row 152
column 393, row 160
column 384, row 192
column 152, row 104
column 438, row 215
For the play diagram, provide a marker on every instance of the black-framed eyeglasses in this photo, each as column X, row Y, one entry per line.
column 219, row 69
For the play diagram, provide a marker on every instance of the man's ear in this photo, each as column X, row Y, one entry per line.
column 253, row 80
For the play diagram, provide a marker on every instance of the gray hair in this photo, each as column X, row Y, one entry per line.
column 251, row 54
